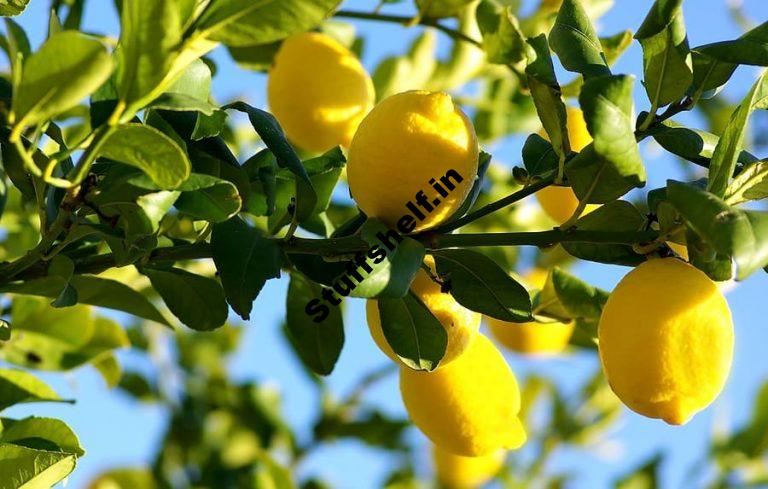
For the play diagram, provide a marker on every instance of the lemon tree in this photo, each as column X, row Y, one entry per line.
column 128, row 190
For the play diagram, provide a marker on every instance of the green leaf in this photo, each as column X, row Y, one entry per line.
column 750, row 49
column 318, row 343
column 10, row 8
column 645, row 477
column 95, row 291
column 202, row 196
column 479, row 284
column 618, row 215
column 249, row 22
column 750, row 440
column 51, row 430
column 546, row 94
column 149, row 39
column 503, row 42
column 109, row 368
column 750, row 184
column 566, row 297
column 181, row 102
column 5, row 330
column 691, row 144
column 272, row 134
column 27, row 467
column 709, row 74
column 732, row 232
column 59, row 339
column 67, row 68
column 197, row 301
column 574, row 40
column 245, row 261
column 413, row 332
column 392, row 276
column 151, row 151
column 726, row 153
column 611, row 165
column 17, row 386
column 63, row 267
column 666, row 58
column 539, row 157
column 255, row 58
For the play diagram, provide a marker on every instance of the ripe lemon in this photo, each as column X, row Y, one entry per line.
column 318, row 91
column 460, row 323
column 458, row 472
column 666, row 340
column 534, row 337
column 407, row 140
column 560, row 203
column 468, row 407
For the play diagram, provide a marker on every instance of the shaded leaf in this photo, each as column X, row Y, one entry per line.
column 318, row 343
column 17, row 386
column 414, row 333
column 618, row 215
column 479, row 284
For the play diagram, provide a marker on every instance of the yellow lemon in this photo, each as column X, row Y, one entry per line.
column 560, row 203
column 461, row 324
column 666, row 340
column 533, row 337
column 413, row 160
column 468, row 407
column 458, row 472
column 318, row 91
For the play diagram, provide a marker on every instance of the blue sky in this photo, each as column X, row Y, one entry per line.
column 117, row 431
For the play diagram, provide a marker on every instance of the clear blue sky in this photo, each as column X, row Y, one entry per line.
column 116, row 431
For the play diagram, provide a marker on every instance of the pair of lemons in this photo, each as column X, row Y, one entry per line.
column 665, row 335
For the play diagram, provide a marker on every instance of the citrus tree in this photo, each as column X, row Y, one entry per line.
column 125, row 186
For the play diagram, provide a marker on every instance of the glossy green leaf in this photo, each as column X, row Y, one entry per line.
column 539, row 157
column 245, row 260
column 726, row 153
column 181, row 102
column 666, row 57
column 95, row 291
column 546, row 94
column 318, row 343
column 10, row 8
column 393, row 274
column 151, row 151
column 149, row 39
column 618, row 215
column 67, row 68
column 249, row 22
column 503, row 42
column 272, row 134
column 197, row 301
column 27, row 467
column 574, row 40
column 691, row 144
column 732, row 232
column 479, row 284
column 750, row 184
column 413, row 332
column 17, row 386
column 26, row 431
column 564, row 296
column 611, row 165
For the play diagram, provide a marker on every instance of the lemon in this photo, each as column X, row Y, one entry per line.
column 458, row 472
column 407, row 141
column 559, row 203
column 318, row 91
column 532, row 338
column 666, row 340
column 461, row 324
column 468, row 407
